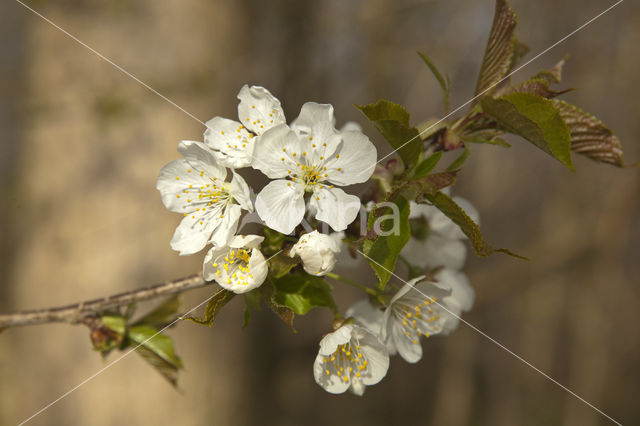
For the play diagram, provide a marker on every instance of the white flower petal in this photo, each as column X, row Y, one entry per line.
column 330, row 383
column 259, row 110
column 435, row 251
column 227, row 225
column 240, row 191
column 317, row 252
column 249, row 241
column 274, row 154
column 312, row 115
column 354, row 161
column 351, row 126
column 335, row 207
column 280, row 205
column 193, row 233
column 462, row 294
column 376, row 355
column 366, row 315
column 357, row 387
column 331, row 341
column 231, row 143
column 173, row 179
column 202, row 159
column 407, row 349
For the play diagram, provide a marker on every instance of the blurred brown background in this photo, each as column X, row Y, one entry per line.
column 80, row 217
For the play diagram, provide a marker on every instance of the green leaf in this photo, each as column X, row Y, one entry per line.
column 392, row 120
column 441, row 80
column 115, row 323
column 453, row 211
column 459, row 161
column 216, row 302
column 520, row 49
column 536, row 86
column 157, row 350
column 499, row 55
column 281, row 265
column 487, row 137
column 158, row 343
column 534, row 118
column 554, row 75
column 589, row 136
column 427, row 165
column 163, row 314
column 273, row 241
column 383, row 251
column 285, row 313
column 301, row 292
column 416, row 189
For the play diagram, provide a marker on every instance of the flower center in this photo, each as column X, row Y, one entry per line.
column 415, row 322
column 347, row 362
column 235, row 267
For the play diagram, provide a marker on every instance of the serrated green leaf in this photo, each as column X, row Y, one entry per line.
column 216, row 302
column 301, row 292
column 554, row 75
column 158, row 343
column 453, row 211
column 382, row 252
column 428, row 164
column 163, row 314
column 392, row 121
column 520, row 49
column 589, row 136
column 534, row 118
column 536, row 86
column 499, row 54
column 459, row 161
column 441, row 80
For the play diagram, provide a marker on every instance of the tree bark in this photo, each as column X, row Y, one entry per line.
column 76, row 313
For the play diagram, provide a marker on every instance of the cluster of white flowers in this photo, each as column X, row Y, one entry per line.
column 307, row 161
column 306, row 158
column 421, row 308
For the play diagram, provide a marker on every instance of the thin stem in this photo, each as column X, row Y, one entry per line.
column 352, row 283
column 76, row 313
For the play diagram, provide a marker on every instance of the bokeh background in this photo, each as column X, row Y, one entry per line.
column 81, row 145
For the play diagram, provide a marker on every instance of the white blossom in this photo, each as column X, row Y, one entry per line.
column 444, row 244
column 317, row 252
column 366, row 315
column 196, row 187
column 311, row 156
column 423, row 308
column 233, row 142
column 350, row 358
column 239, row 266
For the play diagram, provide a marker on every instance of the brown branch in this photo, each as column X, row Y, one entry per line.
column 77, row 313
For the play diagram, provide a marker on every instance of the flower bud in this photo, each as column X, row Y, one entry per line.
column 317, row 252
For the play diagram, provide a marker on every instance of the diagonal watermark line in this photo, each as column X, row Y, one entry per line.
column 101, row 56
column 500, row 345
column 120, row 358
column 563, row 39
